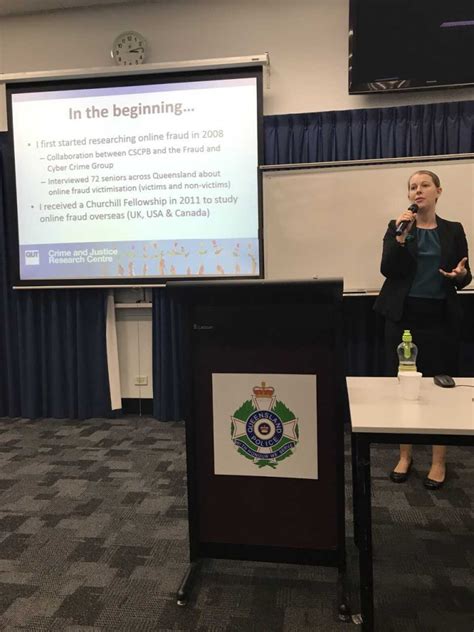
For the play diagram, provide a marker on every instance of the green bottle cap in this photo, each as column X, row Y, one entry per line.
column 407, row 336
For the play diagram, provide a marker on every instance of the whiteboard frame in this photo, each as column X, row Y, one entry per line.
column 365, row 162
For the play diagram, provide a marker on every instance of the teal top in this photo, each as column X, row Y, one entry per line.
column 428, row 281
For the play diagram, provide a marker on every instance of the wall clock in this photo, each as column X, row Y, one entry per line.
column 129, row 49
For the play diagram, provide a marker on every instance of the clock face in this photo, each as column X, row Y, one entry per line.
column 129, row 49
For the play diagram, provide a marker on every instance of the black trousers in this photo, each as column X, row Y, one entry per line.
column 433, row 333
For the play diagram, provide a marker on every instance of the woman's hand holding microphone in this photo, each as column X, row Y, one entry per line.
column 404, row 223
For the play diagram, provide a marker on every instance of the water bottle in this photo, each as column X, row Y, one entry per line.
column 407, row 352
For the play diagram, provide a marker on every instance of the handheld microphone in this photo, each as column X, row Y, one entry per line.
column 402, row 225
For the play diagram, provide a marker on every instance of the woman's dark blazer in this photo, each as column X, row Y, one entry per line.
column 399, row 268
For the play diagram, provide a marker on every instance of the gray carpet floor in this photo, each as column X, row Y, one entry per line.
column 93, row 537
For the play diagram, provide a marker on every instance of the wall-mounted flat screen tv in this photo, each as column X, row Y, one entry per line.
column 410, row 44
column 135, row 180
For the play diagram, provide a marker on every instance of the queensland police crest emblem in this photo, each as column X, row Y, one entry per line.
column 263, row 429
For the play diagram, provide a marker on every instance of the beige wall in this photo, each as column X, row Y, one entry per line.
column 134, row 339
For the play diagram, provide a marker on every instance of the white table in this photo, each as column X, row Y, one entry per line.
column 379, row 415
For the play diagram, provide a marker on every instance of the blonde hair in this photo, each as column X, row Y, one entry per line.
column 433, row 176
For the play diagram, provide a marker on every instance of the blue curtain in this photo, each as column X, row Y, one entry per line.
column 419, row 130
column 52, row 345
column 168, row 364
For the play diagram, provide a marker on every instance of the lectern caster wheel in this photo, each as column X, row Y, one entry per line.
column 187, row 584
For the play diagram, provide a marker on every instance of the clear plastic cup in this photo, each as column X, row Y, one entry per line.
column 410, row 384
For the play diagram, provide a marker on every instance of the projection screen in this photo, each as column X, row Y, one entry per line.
column 133, row 184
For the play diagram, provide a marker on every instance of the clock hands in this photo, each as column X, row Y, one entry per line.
column 129, row 48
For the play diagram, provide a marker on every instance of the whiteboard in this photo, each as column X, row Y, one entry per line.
column 330, row 221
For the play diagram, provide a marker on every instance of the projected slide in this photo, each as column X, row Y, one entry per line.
column 138, row 181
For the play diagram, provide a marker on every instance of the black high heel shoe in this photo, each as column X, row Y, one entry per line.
column 429, row 483
column 400, row 477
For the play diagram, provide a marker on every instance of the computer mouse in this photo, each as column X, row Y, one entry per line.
column 446, row 381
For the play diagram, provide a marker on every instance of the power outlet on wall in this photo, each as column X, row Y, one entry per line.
column 141, row 380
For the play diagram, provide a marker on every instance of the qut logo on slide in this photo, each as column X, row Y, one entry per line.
column 32, row 257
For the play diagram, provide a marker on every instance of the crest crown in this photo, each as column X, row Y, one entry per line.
column 263, row 391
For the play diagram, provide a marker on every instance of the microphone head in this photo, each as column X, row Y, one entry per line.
column 413, row 208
